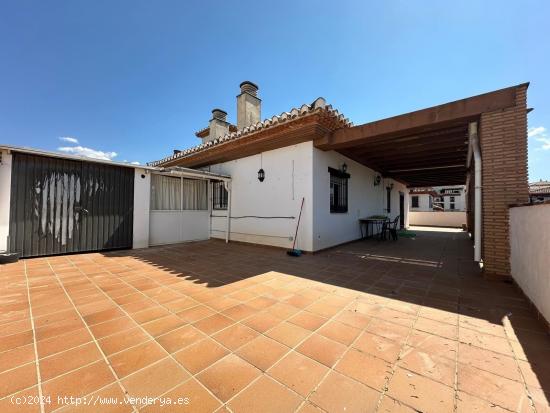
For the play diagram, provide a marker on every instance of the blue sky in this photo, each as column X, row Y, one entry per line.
column 138, row 78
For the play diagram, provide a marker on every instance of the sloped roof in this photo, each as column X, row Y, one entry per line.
column 174, row 170
column 205, row 131
column 424, row 191
column 319, row 106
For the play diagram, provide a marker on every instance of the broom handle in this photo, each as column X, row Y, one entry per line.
column 297, row 225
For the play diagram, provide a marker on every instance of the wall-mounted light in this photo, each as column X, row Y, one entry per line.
column 344, row 167
column 261, row 172
column 377, row 180
column 390, row 187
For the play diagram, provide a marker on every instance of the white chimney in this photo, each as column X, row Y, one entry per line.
column 248, row 105
column 218, row 125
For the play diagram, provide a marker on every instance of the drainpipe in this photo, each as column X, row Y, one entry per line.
column 227, row 185
column 474, row 143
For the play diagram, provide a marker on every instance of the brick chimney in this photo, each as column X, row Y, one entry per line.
column 218, row 125
column 248, row 105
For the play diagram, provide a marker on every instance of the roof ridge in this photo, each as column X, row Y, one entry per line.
column 316, row 106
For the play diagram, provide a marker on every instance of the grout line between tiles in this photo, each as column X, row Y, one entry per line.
column 38, row 377
column 93, row 338
column 145, row 331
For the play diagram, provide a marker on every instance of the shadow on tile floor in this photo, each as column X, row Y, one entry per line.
column 415, row 314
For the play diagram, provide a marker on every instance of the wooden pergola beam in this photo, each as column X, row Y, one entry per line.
column 409, row 151
column 434, row 117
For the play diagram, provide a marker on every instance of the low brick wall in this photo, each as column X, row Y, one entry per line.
column 530, row 253
column 437, row 219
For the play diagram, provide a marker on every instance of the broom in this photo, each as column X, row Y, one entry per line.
column 294, row 252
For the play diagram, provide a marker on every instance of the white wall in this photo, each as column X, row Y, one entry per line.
column 282, row 191
column 5, row 193
column 530, row 258
column 460, row 200
column 453, row 219
column 459, row 203
column 364, row 199
column 169, row 227
column 279, row 195
column 142, row 194
column 423, row 202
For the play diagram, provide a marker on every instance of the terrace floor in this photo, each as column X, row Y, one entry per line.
column 369, row 326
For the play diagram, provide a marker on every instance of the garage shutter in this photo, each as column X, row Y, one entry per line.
column 61, row 206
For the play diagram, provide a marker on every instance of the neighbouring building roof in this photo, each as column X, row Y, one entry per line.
column 438, row 191
column 423, row 191
column 329, row 116
column 540, row 187
column 51, row 154
column 174, row 170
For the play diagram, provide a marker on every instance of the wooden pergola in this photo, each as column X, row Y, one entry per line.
column 422, row 148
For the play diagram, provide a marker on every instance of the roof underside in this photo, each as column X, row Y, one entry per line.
column 425, row 158
column 428, row 147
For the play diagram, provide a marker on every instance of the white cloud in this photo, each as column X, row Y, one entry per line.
column 539, row 134
column 135, row 163
column 545, row 143
column 88, row 152
column 68, row 139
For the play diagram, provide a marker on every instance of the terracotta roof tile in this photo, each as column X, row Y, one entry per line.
column 318, row 106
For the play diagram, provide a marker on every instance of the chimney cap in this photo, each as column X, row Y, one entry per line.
column 248, row 82
column 219, row 114
column 248, row 87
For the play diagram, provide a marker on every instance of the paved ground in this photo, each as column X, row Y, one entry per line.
column 370, row 326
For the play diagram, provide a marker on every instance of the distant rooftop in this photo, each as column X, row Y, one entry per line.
column 540, row 187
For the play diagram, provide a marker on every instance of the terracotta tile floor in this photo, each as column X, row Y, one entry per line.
column 370, row 326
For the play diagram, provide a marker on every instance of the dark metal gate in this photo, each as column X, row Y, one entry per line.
column 60, row 206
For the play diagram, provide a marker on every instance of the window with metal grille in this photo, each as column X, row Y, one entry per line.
column 415, row 201
column 338, row 191
column 219, row 196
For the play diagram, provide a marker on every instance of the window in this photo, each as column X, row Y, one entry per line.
column 338, row 191
column 169, row 193
column 195, row 195
column 165, row 193
column 452, row 203
column 438, row 203
column 219, row 196
column 415, row 201
column 430, row 202
column 388, row 200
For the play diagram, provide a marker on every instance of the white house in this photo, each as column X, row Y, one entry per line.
column 246, row 181
column 421, row 199
column 273, row 165
column 438, row 198
column 443, row 206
